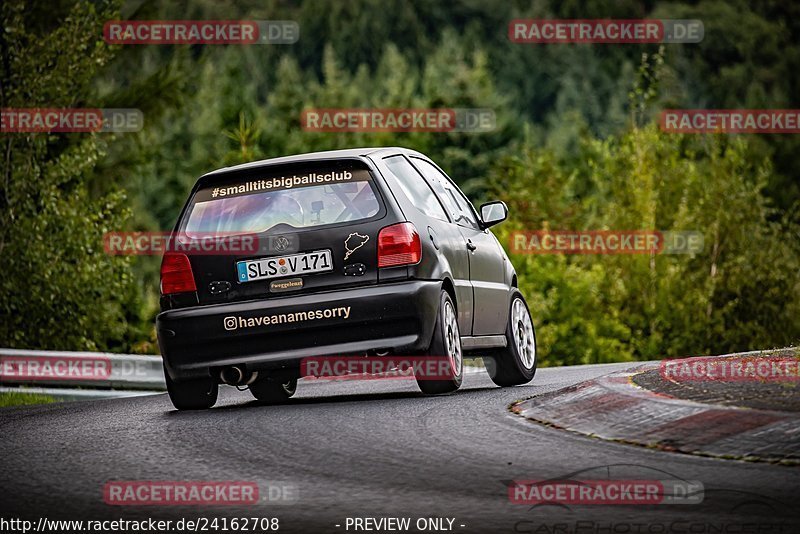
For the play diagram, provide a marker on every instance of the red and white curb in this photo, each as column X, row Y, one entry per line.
column 613, row 407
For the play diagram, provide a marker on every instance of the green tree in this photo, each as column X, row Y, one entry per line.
column 59, row 289
column 740, row 292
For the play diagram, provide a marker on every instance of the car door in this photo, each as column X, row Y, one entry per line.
column 444, row 235
column 486, row 259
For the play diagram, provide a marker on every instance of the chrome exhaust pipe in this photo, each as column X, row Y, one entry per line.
column 232, row 375
column 252, row 378
column 236, row 375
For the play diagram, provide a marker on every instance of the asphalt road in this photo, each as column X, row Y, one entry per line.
column 370, row 449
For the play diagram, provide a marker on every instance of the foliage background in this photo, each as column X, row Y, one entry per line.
column 576, row 147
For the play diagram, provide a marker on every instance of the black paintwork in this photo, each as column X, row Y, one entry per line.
column 390, row 309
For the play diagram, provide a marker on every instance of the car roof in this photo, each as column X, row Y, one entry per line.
column 318, row 156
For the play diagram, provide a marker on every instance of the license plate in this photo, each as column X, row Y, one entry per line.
column 280, row 266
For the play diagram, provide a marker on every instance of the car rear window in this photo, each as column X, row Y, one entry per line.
column 295, row 199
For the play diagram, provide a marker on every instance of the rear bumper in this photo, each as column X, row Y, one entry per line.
column 274, row 333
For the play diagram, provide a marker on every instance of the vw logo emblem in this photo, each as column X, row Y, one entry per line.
column 281, row 243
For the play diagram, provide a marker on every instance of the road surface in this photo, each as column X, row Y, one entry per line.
column 369, row 449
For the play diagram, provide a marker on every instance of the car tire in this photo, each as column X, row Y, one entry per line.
column 446, row 342
column 197, row 394
column 273, row 391
column 515, row 364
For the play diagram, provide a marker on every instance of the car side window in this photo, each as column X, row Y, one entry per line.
column 458, row 205
column 415, row 187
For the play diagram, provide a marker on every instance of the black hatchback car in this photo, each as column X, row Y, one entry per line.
column 361, row 252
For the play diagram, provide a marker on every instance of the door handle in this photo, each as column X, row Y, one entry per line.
column 470, row 245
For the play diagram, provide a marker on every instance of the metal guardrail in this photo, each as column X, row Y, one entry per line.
column 92, row 375
column 80, row 371
column 73, row 394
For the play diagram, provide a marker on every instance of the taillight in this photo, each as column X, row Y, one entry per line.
column 176, row 274
column 399, row 245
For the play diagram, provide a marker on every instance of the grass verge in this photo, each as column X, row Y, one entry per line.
column 21, row 399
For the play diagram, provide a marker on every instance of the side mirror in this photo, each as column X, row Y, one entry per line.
column 493, row 213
